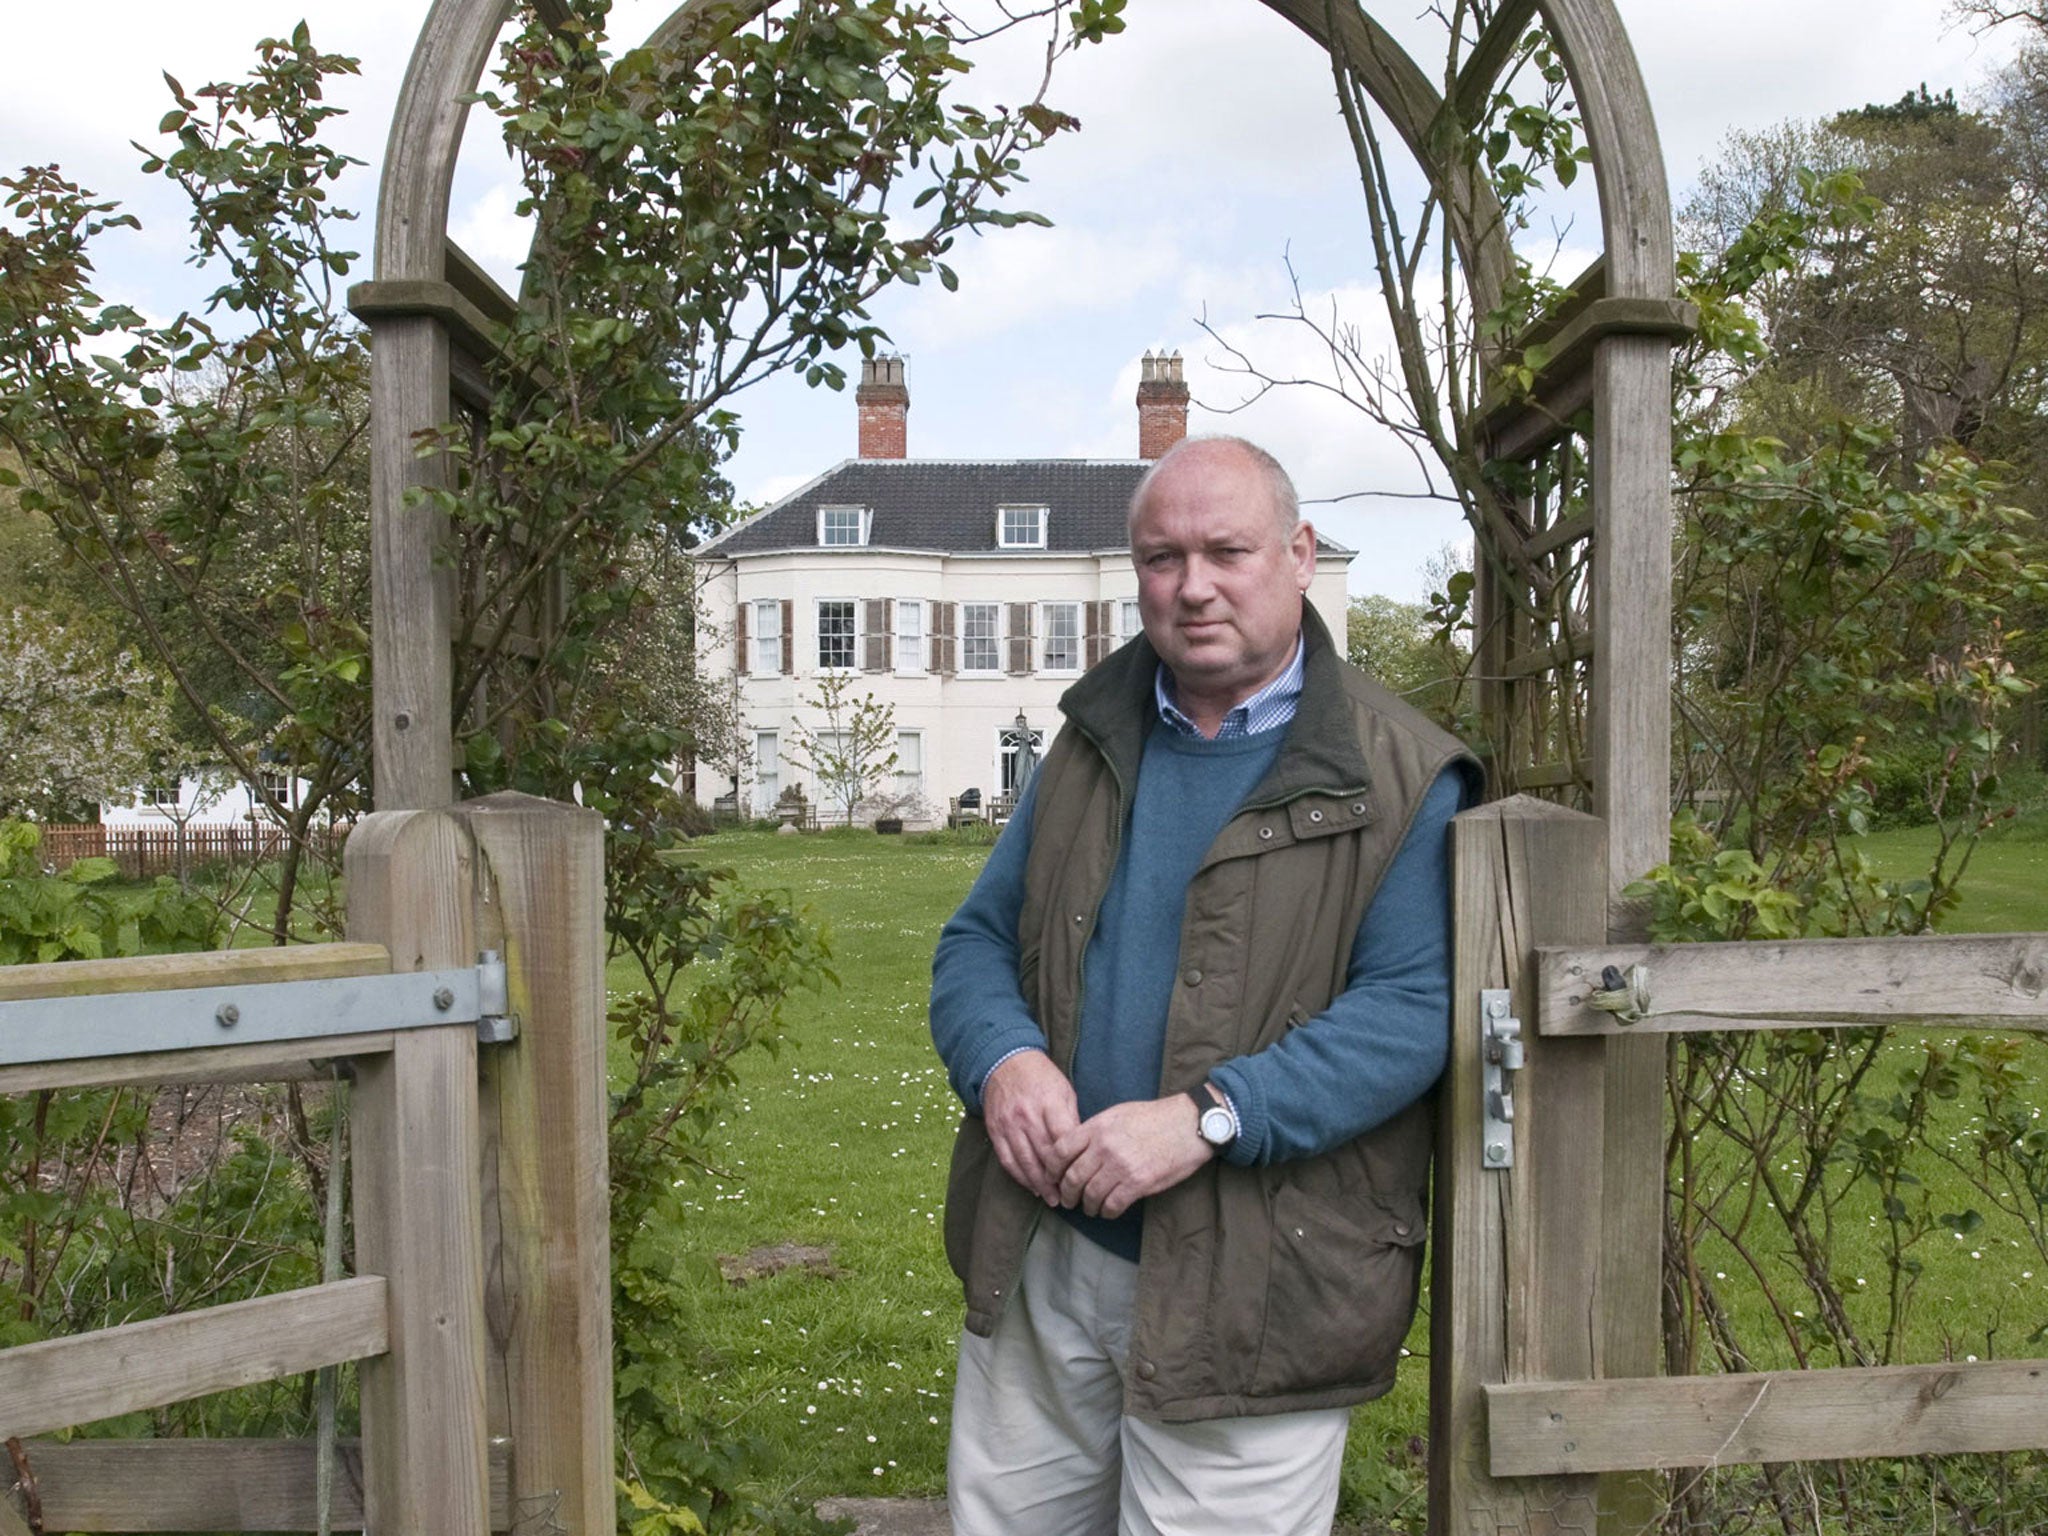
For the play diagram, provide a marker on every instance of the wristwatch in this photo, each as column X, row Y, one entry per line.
column 1216, row 1126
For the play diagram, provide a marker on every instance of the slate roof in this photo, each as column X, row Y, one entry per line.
column 949, row 505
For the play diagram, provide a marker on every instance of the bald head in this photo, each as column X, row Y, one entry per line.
column 1204, row 456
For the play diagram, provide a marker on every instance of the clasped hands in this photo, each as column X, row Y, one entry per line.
column 1105, row 1164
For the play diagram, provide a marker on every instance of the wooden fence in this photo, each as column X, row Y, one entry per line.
column 480, row 1311
column 143, row 852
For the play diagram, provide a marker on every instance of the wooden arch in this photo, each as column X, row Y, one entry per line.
column 1573, row 601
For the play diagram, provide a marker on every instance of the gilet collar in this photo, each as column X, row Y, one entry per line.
column 1113, row 707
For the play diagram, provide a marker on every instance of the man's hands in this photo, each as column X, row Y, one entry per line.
column 1028, row 1106
column 1127, row 1152
column 1105, row 1166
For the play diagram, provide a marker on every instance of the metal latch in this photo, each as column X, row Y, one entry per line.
column 1501, row 1058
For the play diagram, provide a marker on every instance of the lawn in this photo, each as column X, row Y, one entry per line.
column 842, row 1144
column 2005, row 888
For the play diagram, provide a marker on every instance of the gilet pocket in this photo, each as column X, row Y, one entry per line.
column 1341, row 1291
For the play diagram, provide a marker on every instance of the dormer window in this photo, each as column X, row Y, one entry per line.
column 843, row 526
column 1021, row 527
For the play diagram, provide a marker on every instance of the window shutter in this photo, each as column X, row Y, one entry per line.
column 1096, row 617
column 874, row 618
column 889, row 634
column 1020, row 638
column 788, row 636
column 945, row 638
column 739, row 639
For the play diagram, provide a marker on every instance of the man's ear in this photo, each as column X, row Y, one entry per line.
column 1301, row 544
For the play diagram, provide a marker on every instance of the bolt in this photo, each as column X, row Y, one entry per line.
column 1496, row 1153
column 227, row 1015
column 443, row 999
column 1497, row 1008
column 402, row 721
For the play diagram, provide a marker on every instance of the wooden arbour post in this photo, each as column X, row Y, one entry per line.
column 1573, row 602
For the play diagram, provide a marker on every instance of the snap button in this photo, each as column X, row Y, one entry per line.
column 1400, row 1229
column 1265, row 834
column 1147, row 1370
column 1315, row 815
column 1080, row 917
column 1358, row 809
column 1193, row 977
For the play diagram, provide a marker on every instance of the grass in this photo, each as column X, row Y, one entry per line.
column 841, row 1143
column 2005, row 889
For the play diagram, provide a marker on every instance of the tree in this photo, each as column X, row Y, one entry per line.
column 1402, row 645
column 855, row 748
column 1996, row 13
column 1458, row 295
column 80, row 723
column 209, row 472
column 1893, row 262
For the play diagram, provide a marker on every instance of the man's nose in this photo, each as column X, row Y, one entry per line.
column 1198, row 582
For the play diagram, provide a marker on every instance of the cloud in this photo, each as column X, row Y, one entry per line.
column 1024, row 277
column 489, row 227
column 1824, row 56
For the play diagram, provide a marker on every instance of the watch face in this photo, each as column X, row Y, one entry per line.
column 1216, row 1126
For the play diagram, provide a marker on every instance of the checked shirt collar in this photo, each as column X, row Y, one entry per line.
column 1272, row 706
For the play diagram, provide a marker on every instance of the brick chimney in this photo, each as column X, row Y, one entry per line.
column 1162, row 404
column 884, row 403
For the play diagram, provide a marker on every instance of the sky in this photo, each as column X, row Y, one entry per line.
column 1210, row 160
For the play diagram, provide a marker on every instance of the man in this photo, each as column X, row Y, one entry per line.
column 1192, row 1006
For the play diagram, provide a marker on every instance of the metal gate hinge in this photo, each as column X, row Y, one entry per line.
column 495, row 1024
column 1500, row 1058
column 239, row 1013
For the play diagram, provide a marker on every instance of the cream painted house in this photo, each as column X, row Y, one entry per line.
column 964, row 595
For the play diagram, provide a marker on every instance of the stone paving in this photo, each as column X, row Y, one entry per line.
column 891, row 1517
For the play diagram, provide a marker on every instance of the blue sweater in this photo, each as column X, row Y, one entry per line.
column 1373, row 1051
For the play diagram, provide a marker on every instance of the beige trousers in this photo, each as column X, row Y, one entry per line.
column 1041, row 1444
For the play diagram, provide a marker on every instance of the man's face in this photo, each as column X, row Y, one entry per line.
column 1220, row 580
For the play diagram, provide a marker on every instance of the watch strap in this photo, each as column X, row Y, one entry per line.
column 1207, row 1103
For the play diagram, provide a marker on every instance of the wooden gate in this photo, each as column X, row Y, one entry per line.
column 1527, row 1415
column 480, row 1309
